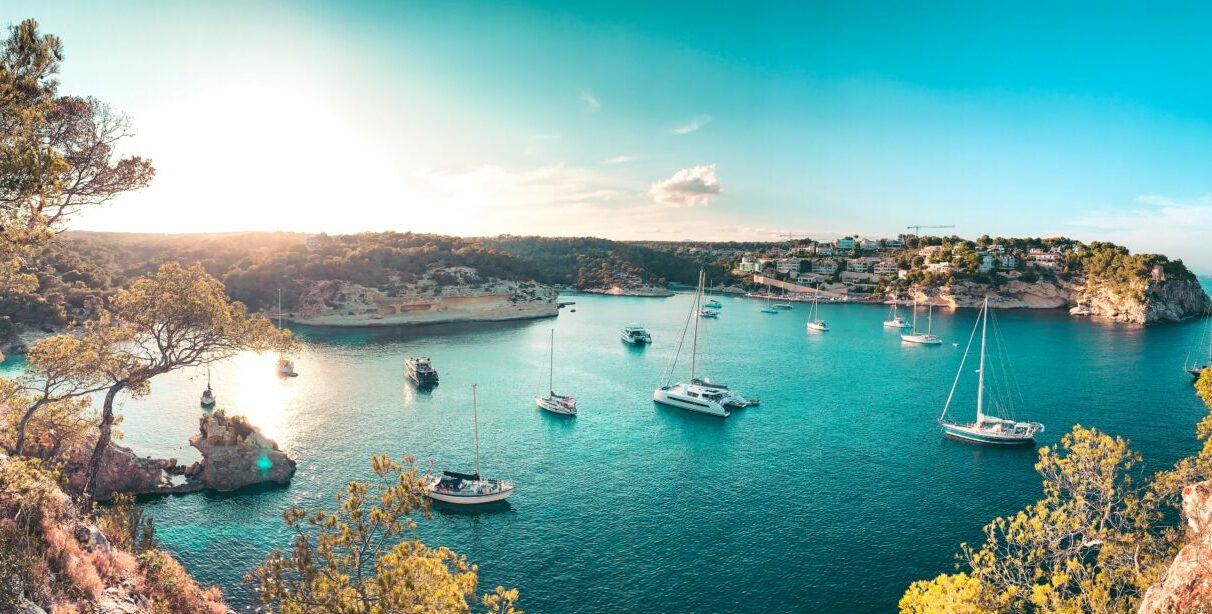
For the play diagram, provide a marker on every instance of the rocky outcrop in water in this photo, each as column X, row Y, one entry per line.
column 122, row 471
column 235, row 455
column 1187, row 584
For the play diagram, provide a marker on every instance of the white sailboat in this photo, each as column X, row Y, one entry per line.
column 698, row 395
column 926, row 338
column 895, row 320
column 286, row 367
column 815, row 322
column 1193, row 367
column 468, row 488
column 208, row 395
column 766, row 308
column 986, row 429
column 555, row 403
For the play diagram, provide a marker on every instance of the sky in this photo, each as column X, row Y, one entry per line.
column 640, row 120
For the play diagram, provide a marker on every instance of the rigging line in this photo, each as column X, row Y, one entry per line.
column 959, row 372
column 1013, row 390
column 673, row 364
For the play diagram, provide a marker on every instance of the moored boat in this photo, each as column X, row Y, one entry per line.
column 815, row 323
column 555, row 403
column 421, row 371
column 713, row 304
column 468, row 488
column 285, row 366
column 986, row 428
column 926, row 338
column 208, row 395
column 635, row 334
column 708, row 313
column 895, row 320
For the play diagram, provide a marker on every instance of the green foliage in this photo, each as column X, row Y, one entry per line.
column 359, row 559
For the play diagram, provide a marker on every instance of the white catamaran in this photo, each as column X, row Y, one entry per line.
column 926, row 338
column 468, row 488
column 987, row 429
column 814, row 317
column 555, row 403
column 698, row 395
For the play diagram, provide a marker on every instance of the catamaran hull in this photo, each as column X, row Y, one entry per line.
column 702, row 407
column 554, row 408
column 469, row 499
column 969, row 434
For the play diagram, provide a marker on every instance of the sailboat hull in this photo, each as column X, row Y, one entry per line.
column 469, row 497
column 973, row 434
column 680, row 401
column 554, row 406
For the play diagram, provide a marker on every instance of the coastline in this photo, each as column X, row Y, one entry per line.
column 522, row 311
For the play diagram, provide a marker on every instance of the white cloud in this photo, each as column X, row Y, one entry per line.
column 623, row 159
column 1175, row 227
column 694, row 124
column 590, row 100
column 689, row 187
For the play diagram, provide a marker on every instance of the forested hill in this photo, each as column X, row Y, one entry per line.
column 81, row 266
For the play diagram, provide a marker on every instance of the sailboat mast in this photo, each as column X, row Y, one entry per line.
column 475, row 421
column 694, row 313
column 551, row 365
column 929, row 318
column 915, row 316
column 980, row 387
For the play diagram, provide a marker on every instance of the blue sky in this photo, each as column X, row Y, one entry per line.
column 671, row 121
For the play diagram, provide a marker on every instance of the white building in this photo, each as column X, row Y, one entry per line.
column 750, row 264
column 787, row 265
column 857, row 265
column 884, row 267
column 824, row 250
column 824, row 267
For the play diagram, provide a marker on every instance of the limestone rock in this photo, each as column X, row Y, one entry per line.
column 235, row 454
column 1187, row 584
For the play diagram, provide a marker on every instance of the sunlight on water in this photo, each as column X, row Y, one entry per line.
column 260, row 395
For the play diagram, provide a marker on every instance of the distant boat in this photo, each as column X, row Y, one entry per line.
column 635, row 334
column 986, row 429
column 286, row 367
column 895, row 320
column 208, row 395
column 713, row 304
column 783, row 306
column 697, row 395
column 926, row 338
column 1193, row 367
column 814, row 317
column 708, row 313
column 766, row 307
column 421, row 371
column 468, row 488
column 555, row 403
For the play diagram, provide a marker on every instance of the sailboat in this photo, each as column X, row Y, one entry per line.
column 814, row 317
column 555, row 403
column 1193, row 368
column 468, row 488
column 895, row 320
column 926, row 338
column 699, row 395
column 766, row 308
column 208, row 395
column 986, row 429
column 286, row 368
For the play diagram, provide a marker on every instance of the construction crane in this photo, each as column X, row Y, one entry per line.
column 792, row 237
column 917, row 228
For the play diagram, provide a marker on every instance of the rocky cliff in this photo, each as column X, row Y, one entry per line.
column 1187, row 584
column 1147, row 303
column 235, row 454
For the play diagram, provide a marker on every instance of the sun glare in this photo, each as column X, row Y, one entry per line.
column 258, row 394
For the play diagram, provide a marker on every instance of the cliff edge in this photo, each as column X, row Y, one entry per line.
column 1187, row 584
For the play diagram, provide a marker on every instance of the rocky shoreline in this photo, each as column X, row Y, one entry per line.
column 645, row 291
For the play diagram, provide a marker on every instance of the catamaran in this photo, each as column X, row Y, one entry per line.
column 814, row 317
column 635, row 334
column 926, row 338
column 208, row 395
column 699, row 395
column 286, row 367
column 555, row 403
column 895, row 320
column 986, row 429
column 708, row 313
column 713, row 304
column 468, row 488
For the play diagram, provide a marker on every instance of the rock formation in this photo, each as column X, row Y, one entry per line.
column 1187, row 584
column 235, row 455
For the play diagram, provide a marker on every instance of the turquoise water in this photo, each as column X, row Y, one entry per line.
column 832, row 495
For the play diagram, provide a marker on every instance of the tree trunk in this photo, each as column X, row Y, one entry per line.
column 19, row 446
column 103, row 439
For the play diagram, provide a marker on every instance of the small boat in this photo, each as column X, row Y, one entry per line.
column 767, row 307
column 635, row 334
column 708, row 313
column 421, row 371
column 895, row 320
column 1192, row 367
column 986, row 429
column 555, row 403
column 468, row 488
column 285, row 366
column 713, row 304
column 815, row 322
column 699, row 395
column 926, row 338
column 783, row 306
column 208, row 395
column 769, row 310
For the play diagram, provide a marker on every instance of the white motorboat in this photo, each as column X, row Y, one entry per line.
column 699, row 395
column 986, row 428
column 555, row 403
column 926, row 338
column 421, row 371
column 708, row 313
column 468, row 488
column 713, row 304
column 635, row 334
column 783, row 306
